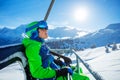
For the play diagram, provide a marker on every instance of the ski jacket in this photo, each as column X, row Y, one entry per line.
column 39, row 59
column 47, row 58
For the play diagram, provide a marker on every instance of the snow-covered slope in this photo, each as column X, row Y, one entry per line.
column 105, row 64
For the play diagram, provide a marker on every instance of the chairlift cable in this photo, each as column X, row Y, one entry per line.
column 48, row 11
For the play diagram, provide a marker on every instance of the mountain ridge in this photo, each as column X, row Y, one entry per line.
column 101, row 37
column 8, row 36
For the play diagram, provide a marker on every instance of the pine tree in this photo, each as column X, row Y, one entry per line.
column 114, row 46
column 107, row 49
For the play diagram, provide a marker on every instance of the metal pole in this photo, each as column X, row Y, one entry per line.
column 78, row 66
column 69, row 77
column 49, row 9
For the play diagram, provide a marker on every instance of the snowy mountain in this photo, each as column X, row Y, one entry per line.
column 66, row 32
column 10, row 36
column 99, row 38
column 104, row 36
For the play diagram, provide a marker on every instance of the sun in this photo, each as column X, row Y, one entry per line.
column 81, row 14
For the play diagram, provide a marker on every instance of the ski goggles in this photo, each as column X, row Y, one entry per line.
column 43, row 25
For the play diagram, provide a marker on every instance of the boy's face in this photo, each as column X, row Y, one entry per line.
column 43, row 33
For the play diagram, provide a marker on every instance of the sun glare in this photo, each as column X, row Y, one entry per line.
column 81, row 14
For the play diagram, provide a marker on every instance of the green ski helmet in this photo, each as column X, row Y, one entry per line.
column 31, row 29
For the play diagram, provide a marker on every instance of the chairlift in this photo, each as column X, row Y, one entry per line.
column 16, row 52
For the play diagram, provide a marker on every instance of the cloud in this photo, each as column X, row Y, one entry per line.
column 51, row 26
column 80, row 34
column 1, row 26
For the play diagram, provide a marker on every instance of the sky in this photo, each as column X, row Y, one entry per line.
column 88, row 15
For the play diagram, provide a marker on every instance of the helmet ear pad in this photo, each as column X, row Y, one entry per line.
column 34, row 35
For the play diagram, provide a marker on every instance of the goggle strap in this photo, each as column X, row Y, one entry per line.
column 32, row 27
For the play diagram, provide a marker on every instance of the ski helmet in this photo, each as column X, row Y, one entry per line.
column 31, row 29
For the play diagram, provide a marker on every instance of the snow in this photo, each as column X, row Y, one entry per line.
column 13, row 71
column 105, row 64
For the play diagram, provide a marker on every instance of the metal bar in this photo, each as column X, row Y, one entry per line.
column 69, row 77
column 94, row 74
column 78, row 66
column 49, row 9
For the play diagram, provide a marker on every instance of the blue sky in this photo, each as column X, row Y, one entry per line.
column 97, row 13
